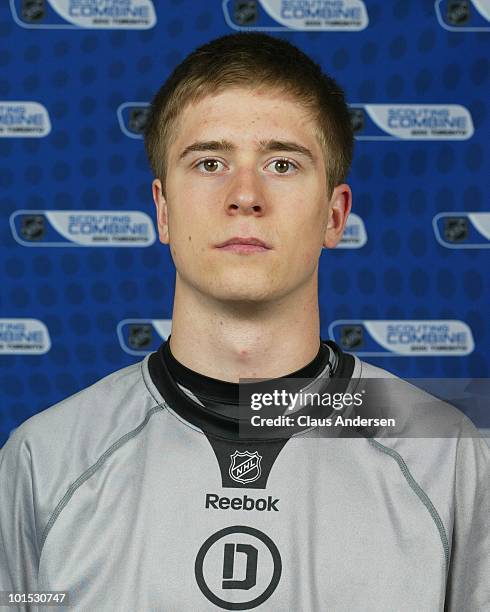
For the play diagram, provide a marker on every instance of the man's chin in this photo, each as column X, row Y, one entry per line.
column 237, row 296
column 246, row 292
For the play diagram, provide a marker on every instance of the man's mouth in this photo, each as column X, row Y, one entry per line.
column 244, row 245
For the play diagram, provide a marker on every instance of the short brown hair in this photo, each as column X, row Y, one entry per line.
column 250, row 60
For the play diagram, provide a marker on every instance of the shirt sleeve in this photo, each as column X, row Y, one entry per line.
column 18, row 539
column 468, row 585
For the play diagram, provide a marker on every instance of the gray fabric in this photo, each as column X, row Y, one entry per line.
column 103, row 495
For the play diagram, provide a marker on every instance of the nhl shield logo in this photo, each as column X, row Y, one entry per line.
column 245, row 467
column 138, row 117
column 351, row 336
column 33, row 10
column 32, row 227
column 357, row 119
column 140, row 336
column 245, row 11
column 456, row 229
column 458, row 12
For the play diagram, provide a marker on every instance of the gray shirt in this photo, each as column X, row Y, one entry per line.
column 115, row 497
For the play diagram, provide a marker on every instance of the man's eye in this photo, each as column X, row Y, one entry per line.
column 282, row 165
column 208, row 165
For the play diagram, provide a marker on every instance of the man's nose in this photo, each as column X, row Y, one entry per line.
column 245, row 194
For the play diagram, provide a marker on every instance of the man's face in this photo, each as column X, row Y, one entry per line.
column 245, row 166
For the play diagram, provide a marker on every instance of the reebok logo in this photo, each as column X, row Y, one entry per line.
column 241, row 503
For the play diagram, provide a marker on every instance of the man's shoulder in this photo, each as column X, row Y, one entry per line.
column 94, row 415
column 368, row 370
column 55, row 448
column 432, row 441
column 424, row 410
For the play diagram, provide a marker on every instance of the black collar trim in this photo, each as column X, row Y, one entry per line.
column 214, row 391
column 223, row 425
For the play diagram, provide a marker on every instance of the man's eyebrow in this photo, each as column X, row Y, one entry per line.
column 208, row 145
column 286, row 145
column 264, row 146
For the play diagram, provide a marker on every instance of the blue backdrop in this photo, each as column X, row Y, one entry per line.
column 86, row 288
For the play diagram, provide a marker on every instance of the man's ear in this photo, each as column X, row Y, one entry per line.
column 162, row 212
column 338, row 211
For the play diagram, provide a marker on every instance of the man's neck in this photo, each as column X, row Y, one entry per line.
column 232, row 341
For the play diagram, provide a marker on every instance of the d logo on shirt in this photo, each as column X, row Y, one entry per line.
column 241, row 563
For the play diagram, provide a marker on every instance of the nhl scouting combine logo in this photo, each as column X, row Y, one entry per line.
column 142, row 336
column 462, row 230
column 23, row 120
column 411, row 122
column 463, row 15
column 245, row 467
column 95, row 14
column 302, row 15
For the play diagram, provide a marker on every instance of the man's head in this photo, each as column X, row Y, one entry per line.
column 252, row 61
column 249, row 140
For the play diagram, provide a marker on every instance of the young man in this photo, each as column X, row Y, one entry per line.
column 142, row 493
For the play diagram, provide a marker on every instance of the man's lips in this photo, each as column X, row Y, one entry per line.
column 244, row 245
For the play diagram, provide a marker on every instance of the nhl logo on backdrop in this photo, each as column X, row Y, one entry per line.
column 93, row 14
column 245, row 466
column 32, row 227
column 138, row 116
column 33, row 10
column 351, row 336
column 357, row 119
column 456, row 229
column 458, row 12
column 245, row 11
column 140, row 336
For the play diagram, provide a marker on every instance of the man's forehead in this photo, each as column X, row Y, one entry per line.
column 232, row 129
column 236, row 101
